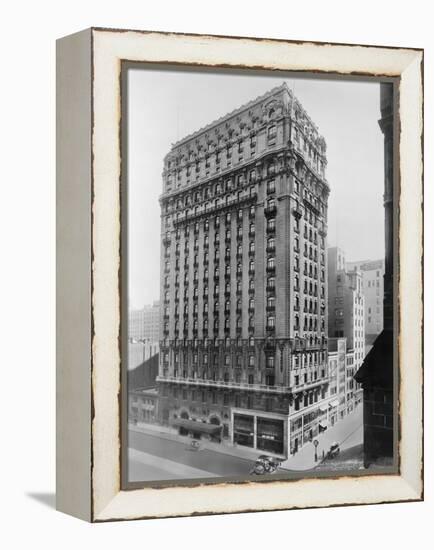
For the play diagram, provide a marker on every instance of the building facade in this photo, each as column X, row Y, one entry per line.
column 342, row 383
column 139, row 352
column 373, row 290
column 346, row 314
column 243, row 325
column 143, row 405
column 144, row 324
column 377, row 374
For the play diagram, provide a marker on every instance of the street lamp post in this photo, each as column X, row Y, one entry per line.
column 316, row 443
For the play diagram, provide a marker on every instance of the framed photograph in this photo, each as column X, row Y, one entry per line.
column 239, row 274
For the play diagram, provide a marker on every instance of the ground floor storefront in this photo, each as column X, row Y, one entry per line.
column 257, row 431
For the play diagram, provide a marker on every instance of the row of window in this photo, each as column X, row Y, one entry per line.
column 310, row 324
column 197, row 167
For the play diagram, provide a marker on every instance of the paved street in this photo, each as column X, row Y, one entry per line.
column 156, row 458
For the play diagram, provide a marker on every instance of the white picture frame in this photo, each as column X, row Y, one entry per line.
column 88, row 261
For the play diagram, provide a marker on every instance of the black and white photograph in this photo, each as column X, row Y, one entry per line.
column 259, row 273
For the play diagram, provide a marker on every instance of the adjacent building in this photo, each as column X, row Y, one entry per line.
column 143, row 405
column 243, row 322
column 377, row 374
column 373, row 290
column 342, row 383
column 144, row 324
column 346, row 316
column 140, row 351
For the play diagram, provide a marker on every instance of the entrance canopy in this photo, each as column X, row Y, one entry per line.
column 193, row 426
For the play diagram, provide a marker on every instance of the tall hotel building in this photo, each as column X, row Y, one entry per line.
column 243, row 357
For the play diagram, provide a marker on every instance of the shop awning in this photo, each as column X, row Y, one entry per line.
column 323, row 408
column 193, row 426
column 334, row 403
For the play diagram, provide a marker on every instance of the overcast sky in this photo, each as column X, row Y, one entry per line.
column 166, row 105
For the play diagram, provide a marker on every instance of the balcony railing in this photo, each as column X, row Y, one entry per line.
column 270, row 210
column 224, row 384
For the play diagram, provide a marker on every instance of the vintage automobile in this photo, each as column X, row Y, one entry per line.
column 265, row 464
column 195, row 445
column 334, row 450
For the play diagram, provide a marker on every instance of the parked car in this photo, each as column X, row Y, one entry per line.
column 265, row 464
column 334, row 450
column 195, row 445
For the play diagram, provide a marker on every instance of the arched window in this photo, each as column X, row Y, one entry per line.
column 271, row 321
column 271, row 262
column 271, row 300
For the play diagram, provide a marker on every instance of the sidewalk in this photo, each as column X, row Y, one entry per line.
column 347, row 432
